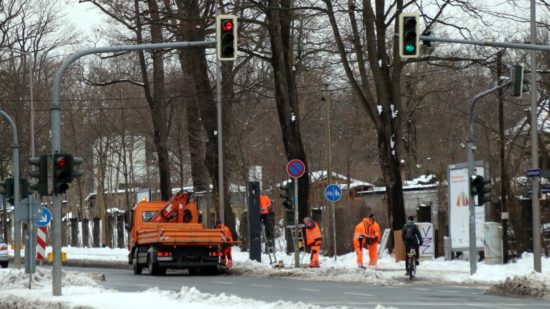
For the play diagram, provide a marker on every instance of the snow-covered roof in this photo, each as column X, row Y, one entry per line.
column 322, row 175
column 423, row 182
column 543, row 121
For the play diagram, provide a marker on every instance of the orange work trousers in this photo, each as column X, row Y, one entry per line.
column 227, row 259
column 358, row 245
column 373, row 253
column 314, row 261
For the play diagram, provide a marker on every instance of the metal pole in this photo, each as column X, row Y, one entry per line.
column 296, row 226
column 486, row 43
column 31, row 227
column 220, row 140
column 535, row 146
column 56, row 133
column 16, row 194
column 329, row 169
column 470, row 154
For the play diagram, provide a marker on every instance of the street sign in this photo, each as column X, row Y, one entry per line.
column 295, row 168
column 45, row 218
column 545, row 189
column 333, row 193
column 22, row 211
column 534, row 172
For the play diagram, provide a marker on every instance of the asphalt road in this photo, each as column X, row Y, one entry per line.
column 406, row 295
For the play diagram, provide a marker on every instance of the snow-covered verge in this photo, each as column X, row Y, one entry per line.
column 534, row 285
column 81, row 291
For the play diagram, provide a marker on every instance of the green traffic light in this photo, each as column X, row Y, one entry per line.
column 409, row 48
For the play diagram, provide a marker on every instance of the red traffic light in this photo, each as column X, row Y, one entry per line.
column 61, row 162
column 227, row 25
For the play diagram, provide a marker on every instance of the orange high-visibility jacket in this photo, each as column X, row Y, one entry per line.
column 374, row 231
column 265, row 204
column 360, row 230
column 313, row 234
column 226, row 232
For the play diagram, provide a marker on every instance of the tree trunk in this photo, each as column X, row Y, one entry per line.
column 279, row 17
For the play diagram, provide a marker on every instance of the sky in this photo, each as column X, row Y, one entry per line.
column 84, row 16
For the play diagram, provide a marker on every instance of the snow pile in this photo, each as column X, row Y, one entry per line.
column 82, row 292
column 534, row 285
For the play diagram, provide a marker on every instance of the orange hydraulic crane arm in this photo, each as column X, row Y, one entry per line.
column 178, row 209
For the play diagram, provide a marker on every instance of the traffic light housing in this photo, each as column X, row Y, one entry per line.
column 409, row 39
column 288, row 195
column 61, row 172
column 40, row 173
column 226, row 37
column 7, row 189
column 481, row 188
column 520, row 83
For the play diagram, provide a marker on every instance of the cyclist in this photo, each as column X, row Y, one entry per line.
column 412, row 239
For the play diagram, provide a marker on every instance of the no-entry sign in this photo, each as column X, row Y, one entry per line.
column 296, row 168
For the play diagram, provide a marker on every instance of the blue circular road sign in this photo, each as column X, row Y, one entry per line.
column 45, row 218
column 333, row 193
column 296, row 168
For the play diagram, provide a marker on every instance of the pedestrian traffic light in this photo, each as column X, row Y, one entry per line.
column 226, row 37
column 61, row 172
column 520, row 83
column 40, row 173
column 408, row 35
column 24, row 188
column 287, row 194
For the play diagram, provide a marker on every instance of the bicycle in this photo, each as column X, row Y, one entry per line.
column 411, row 259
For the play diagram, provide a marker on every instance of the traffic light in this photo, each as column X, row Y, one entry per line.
column 75, row 161
column 482, row 188
column 408, row 35
column 226, row 37
column 24, row 188
column 288, row 195
column 40, row 173
column 61, row 172
column 7, row 185
column 520, row 83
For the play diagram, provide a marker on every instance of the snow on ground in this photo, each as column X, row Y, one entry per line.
column 81, row 291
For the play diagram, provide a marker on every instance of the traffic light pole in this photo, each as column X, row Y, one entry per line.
column 16, row 195
column 296, row 226
column 55, row 112
column 470, row 142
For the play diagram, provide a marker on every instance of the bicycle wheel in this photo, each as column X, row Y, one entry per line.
column 412, row 268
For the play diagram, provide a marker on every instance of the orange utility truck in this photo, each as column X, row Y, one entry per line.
column 168, row 235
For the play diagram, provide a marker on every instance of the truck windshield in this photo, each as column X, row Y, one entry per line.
column 147, row 215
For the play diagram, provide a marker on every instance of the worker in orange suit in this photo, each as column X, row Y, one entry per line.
column 265, row 215
column 359, row 240
column 227, row 258
column 313, row 239
column 373, row 238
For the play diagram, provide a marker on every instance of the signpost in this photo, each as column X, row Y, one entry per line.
column 333, row 194
column 42, row 223
column 296, row 169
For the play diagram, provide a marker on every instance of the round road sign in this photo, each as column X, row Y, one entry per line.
column 333, row 193
column 45, row 218
column 296, row 168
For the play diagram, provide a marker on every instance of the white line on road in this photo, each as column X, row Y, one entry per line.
column 449, row 291
column 310, row 290
column 421, row 289
column 222, row 282
column 261, row 285
column 358, row 294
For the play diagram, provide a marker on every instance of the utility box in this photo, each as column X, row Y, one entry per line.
column 493, row 243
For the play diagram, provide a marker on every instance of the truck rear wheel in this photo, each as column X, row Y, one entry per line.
column 154, row 268
column 138, row 268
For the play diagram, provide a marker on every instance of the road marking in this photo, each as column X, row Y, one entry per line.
column 358, row 294
column 421, row 289
column 449, row 291
column 222, row 282
column 310, row 290
column 261, row 285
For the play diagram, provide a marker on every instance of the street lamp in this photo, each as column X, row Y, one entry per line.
column 32, row 229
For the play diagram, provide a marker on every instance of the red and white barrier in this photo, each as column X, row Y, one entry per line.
column 41, row 243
